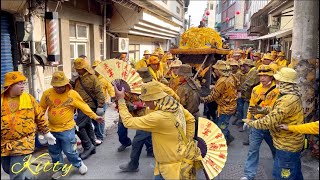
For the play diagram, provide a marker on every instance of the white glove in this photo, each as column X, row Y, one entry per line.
column 50, row 138
column 245, row 126
column 100, row 111
column 74, row 76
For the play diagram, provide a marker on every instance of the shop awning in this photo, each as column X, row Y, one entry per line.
column 277, row 34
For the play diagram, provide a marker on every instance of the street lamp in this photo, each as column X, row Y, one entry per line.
column 189, row 21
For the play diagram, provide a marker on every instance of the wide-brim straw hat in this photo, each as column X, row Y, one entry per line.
column 80, row 63
column 185, row 70
column 175, row 63
column 151, row 92
column 11, row 78
column 59, row 79
column 285, row 74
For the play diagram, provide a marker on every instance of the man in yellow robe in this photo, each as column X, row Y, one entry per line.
column 21, row 118
column 61, row 102
column 168, row 145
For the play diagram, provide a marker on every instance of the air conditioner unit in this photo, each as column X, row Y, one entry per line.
column 120, row 44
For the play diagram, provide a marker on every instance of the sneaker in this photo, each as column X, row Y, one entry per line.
column 244, row 178
column 57, row 175
column 127, row 168
column 98, row 142
column 83, row 169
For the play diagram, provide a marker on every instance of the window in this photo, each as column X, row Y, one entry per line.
column 178, row 10
column 211, row 6
column 77, row 49
column 79, row 39
column 72, row 30
column 82, row 31
column 78, row 30
column 134, row 52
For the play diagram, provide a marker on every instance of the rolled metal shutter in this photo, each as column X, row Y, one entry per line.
column 6, row 53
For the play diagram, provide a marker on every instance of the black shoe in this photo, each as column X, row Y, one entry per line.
column 150, row 154
column 230, row 139
column 245, row 143
column 127, row 168
column 87, row 152
column 94, row 150
column 122, row 148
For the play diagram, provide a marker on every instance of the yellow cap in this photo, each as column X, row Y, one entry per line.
column 265, row 70
column 257, row 54
column 233, row 62
column 281, row 54
column 150, row 92
column 185, row 70
column 96, row 63
column 146, row 52
column 221, row 65
column 153, row 60
column 286, row 75
column 159, row 50
column 80, row 63
column 273, row 53
column 176, row 63
column 59, row 79
column 268, row 56
column 12, row 78
column 248, row 62
column 169, row 56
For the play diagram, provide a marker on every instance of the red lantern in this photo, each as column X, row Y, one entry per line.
column 237, row 12
column 207, row 13
column 227, row 19
column 203, row 19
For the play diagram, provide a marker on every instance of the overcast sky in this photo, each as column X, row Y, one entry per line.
column 196, row 9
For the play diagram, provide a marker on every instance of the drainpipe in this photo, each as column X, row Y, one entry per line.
column 32, row 67
column 104, row 31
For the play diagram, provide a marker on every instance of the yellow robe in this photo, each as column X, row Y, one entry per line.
column 61, row 109
column 168, row 148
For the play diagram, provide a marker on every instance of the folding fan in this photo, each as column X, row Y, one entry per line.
column 121, row 74
column 213, row 147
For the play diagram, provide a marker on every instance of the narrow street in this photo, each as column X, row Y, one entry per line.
column 105, row 163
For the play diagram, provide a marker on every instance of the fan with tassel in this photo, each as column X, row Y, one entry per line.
column 213, row 147
column 121, row 74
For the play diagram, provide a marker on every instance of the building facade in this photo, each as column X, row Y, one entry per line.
column 92, row 28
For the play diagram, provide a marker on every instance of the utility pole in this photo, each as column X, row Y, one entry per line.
column 304, row 51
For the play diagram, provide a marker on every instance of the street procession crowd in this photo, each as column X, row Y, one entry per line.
column 259, row 89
